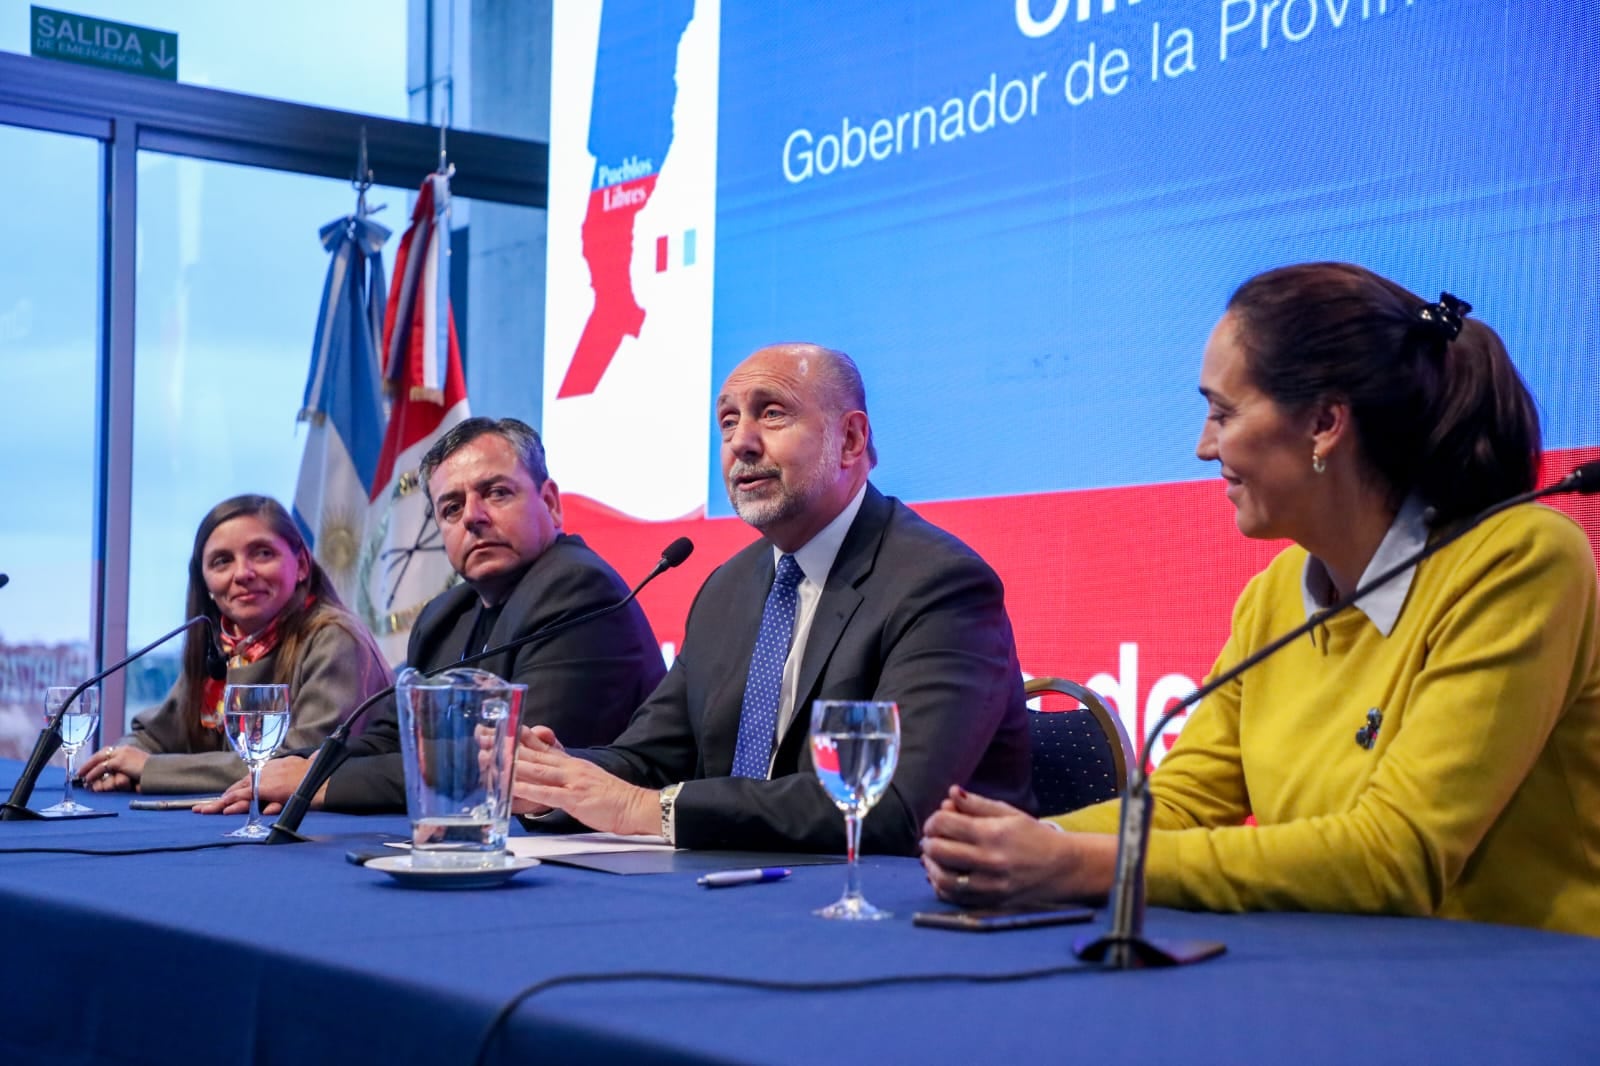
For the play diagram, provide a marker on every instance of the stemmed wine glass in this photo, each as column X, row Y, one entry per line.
column 256, row 719
column 855, row 745
column 77, row 726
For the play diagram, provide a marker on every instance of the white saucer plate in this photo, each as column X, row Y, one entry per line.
column 401, row 869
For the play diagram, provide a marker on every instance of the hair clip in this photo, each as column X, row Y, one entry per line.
column 1444, row 317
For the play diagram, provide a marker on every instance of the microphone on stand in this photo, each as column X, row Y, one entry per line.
column 15, row 809
column 1124, row 946
column 286, row 830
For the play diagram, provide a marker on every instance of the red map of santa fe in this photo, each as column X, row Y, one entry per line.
column 608, row 250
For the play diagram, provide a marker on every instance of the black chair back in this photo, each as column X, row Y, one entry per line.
column 1079, row 757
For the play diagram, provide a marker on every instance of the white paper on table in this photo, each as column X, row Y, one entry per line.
column 549, row 846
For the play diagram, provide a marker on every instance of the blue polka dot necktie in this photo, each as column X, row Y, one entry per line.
column 763, row 687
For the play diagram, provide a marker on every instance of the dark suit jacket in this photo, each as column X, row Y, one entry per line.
column 910, row 614
column 583, row 684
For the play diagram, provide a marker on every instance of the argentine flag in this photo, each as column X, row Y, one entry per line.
column 343, row 403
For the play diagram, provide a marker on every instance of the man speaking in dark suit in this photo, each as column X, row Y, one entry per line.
column 499, row 513
column 869, row 601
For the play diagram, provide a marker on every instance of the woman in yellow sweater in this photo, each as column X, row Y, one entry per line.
column 1433, row 750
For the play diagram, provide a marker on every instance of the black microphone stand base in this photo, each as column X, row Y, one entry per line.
column 279, row 834
column 1139, row 953
column 13, row 812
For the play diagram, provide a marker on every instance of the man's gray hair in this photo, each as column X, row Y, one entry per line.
column 849, row 393
column 842, row 388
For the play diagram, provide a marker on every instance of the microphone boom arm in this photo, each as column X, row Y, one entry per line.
column 286, row 830
column 16, row 807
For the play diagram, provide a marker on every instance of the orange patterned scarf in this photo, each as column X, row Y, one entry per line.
column 241, row 651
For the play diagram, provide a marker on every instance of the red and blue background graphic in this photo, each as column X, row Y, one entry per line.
column 1025, row 236
column 630, row 135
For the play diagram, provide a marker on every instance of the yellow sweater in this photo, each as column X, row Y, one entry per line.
column 1481, row 797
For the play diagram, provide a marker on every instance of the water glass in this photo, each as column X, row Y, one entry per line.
column 78, row 723
column 458, row 748
column 855, row 745
column 256, row 720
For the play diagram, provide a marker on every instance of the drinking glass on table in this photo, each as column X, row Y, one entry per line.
column 458, row 749
column 77, row 725
column 855, row 745
column 255, row 719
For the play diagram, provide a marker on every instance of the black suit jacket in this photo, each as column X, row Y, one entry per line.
column 583, row 684
column 910, row 614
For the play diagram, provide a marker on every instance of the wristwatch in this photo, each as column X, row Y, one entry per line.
column 669, row 797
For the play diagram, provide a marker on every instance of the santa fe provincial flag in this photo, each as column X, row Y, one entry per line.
column 403, row 565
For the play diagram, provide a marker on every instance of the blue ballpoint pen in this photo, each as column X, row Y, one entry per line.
column 727, row 878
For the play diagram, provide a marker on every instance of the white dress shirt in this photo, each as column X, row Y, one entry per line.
column 1407, row 534
column 815, row 561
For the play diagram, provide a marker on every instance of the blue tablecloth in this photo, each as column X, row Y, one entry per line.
column 292, row 955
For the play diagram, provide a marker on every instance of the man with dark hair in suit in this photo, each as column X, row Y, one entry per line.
column 499, row 513
column 853, row 597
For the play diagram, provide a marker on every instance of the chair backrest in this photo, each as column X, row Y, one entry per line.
column 1079, row 757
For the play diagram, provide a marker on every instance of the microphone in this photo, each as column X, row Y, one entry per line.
column 5, row 579
column 680, row 549
column 1584, row 480
column 1124, row 946
column 216, row 662
column 15, row 809
column 286, row 830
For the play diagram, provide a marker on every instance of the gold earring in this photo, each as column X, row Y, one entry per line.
column 1317, row 464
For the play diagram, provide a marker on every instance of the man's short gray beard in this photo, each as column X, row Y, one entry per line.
column 762, row 514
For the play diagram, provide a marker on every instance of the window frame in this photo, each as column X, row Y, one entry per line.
column 128, row 114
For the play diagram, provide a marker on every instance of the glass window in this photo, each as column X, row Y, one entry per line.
column 229, row 281
column 483, row 67
column 49, row 355
column 498, row 296
column 349, row 55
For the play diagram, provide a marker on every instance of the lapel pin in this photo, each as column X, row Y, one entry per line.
column 1367, row 735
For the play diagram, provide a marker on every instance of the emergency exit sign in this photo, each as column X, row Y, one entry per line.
column 102, row 43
